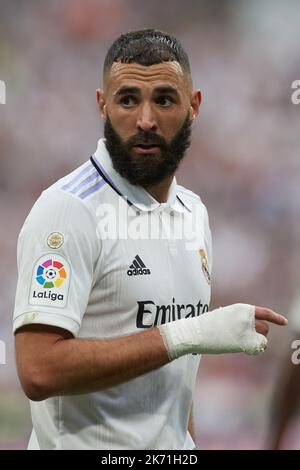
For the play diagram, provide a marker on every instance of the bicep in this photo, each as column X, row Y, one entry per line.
column 33, row 345
column 33, row 340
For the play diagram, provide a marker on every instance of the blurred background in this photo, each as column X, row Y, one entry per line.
column 244, row 162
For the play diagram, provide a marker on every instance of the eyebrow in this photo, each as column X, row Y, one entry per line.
column 166, row 89
column 126, row 90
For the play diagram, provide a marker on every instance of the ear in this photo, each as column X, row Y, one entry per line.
column 196, row 99
column 101, row 103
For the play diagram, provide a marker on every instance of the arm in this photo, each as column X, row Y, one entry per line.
column 51, row 362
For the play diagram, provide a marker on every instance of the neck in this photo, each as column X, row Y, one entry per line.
column 160, row 191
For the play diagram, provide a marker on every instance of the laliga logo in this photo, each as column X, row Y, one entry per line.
column 51, row 279
column 2, row 92
column 50, row 274
column 2, row 353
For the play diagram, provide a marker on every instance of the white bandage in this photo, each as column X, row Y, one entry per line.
column 225, row 330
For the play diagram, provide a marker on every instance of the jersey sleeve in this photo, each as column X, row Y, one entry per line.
column 57, row 253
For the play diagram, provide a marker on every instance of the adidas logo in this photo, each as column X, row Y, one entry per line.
column 137, row 267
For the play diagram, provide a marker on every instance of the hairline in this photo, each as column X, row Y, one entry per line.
column 187, row 76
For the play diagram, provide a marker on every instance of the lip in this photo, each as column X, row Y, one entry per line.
column 152, row 149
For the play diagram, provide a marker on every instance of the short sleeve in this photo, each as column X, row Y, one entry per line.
column 57, row 253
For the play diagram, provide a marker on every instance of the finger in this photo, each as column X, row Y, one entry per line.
column 261, row 327
column 262, row 313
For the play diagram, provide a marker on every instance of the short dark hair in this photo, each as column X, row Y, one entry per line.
column 146, row 47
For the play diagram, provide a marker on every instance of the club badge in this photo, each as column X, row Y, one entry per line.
column 204, row 263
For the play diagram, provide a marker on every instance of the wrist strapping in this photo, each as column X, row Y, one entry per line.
column 225, row 330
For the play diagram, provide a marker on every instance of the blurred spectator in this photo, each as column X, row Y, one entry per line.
column 286, row 398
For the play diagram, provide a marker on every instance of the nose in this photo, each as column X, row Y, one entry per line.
column 146, row 120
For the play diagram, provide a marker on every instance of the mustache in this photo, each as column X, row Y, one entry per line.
column 146, row 137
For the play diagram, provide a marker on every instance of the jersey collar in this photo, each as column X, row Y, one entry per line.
column 134, row 195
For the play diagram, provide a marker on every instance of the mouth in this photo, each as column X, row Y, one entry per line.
column 147, row 148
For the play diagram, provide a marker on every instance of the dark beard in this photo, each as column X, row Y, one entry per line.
column 147, row 169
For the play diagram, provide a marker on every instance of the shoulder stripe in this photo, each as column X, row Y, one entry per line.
column 85, row 169
column 92, row 189
column 84, row 182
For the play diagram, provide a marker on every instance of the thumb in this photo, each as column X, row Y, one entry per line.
column 256, row 344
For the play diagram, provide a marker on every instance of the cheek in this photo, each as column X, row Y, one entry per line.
column 122, row 123
column 171, row 125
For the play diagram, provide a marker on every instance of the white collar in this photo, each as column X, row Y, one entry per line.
column 135, row 195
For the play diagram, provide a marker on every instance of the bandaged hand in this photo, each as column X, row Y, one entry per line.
column 235, row 328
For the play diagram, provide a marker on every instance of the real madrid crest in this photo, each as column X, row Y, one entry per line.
column 55, row 240
column 204, row 263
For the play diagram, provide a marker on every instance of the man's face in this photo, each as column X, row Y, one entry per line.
column 148, row 113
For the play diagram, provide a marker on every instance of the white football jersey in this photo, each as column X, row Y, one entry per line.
column 101, row 258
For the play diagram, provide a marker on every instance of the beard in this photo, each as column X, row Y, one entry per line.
column 147, row 169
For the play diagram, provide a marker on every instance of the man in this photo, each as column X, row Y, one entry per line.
column 114, row 272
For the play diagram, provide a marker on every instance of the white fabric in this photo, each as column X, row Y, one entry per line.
column 33, row 442
column 99, row 299
column 225, row 330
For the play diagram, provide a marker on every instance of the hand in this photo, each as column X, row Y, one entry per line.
column 235, row 328
column 262, row 315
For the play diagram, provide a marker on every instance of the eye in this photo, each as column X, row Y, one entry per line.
column 165, row 101
column 128, row 100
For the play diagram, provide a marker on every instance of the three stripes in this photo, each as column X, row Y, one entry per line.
column 83, row 185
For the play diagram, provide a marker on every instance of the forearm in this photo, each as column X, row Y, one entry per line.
column 76, row 366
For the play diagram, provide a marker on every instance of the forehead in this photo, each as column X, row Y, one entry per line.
column 166, row 73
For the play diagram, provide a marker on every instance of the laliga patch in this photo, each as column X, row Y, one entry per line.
column 50, row 281
column 204, row 263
